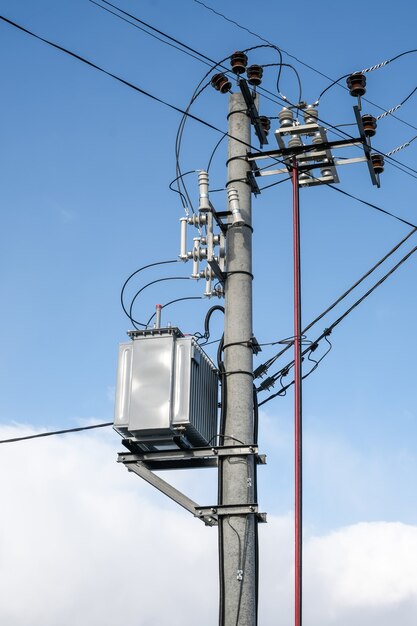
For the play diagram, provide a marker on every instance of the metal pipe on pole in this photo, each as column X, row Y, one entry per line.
column 237, row 479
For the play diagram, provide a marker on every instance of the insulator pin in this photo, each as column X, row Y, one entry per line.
column 378, row 163
column 356, row 84
column 238, row 62
column 221, row 83
column 254, row 74
column 369, row 125
column 310, row 114
column 295, row 141
column 286, row 117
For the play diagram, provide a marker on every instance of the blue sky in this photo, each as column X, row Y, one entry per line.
column 85, row 164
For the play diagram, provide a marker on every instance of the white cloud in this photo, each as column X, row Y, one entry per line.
column 83, row 542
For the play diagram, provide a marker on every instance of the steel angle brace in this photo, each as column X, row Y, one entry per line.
column 134, row 463
column 231, row 509
column 139, row 468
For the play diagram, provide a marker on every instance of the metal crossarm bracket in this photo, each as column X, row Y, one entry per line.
column 253, row 111
column 221, row 276
column 231, row 509
column 143, row 464
column 366, row 148
column 190, row 458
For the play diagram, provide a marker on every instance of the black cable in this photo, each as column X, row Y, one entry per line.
column 193, row 56
column 292, row 56
column 300, row 90
column 134, row 274
column 153, row 282
column 269, row 45
column 372, row 289
column 360, row 280
column 121, row 80
column 214, row 151
column 325, row 334
column 370, row 204
column 284, row 180
column 206, row 336
column 183, row 198
column 384, row 63
column 261, row 369
column 146, row 93
column 56, row 432
column 173, row 302
column 398, row 106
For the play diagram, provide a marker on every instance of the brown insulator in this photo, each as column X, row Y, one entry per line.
column 378, row 163
column 238, row 61
column 254, row 73
column 369, row 125
column 221, row 83
column 356, row 84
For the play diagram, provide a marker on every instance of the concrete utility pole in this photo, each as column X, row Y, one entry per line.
column 238, row 533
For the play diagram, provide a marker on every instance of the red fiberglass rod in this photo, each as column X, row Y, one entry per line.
column 297, row 400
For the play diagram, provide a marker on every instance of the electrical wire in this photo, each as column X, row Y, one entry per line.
column 181, row 176
column 135, row 87
column 385, row 63
column 55, row 432
column 370, row 204
column 269, row 45
column 214, row 152
column 153, row 282
column 163, row 306
column 121, row 80
column 325, row 334
column 263, row 368
column 399, row 165
column 404, row 145
column 398, row 106
column 300, row 61
column 141, row 269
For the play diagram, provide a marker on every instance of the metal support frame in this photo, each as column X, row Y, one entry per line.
column 252, row 111
column 144, row 464
column 313, row 156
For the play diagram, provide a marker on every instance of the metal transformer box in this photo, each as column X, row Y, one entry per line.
column 167, row 391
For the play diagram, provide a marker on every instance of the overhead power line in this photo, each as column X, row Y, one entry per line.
column 146, row 93
column 275, row 97
column 312, row 68
column 56, row 432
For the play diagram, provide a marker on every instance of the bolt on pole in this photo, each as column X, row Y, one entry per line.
column 237, row 481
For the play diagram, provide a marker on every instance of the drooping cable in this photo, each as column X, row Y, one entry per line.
column 326, row 333
column 56, row 432
column 129, row 278
column 137, row 294
column 300, row 61
column 164, row 306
